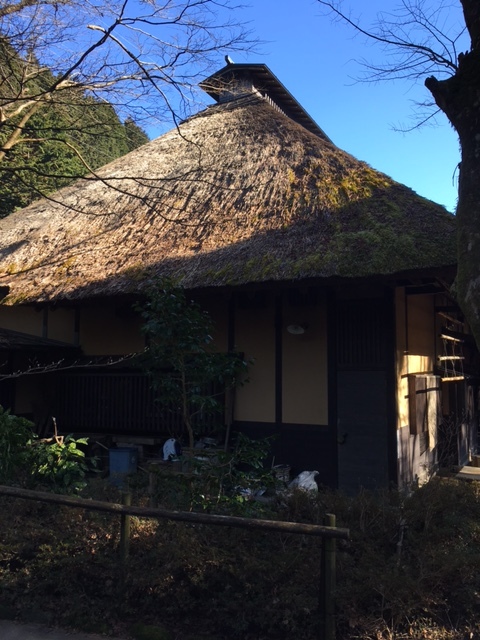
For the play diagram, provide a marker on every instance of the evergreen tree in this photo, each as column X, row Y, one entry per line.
column 58, row 57
column 62, row 140
column 135, row 135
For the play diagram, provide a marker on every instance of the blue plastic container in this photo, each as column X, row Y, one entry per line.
column 123, row 462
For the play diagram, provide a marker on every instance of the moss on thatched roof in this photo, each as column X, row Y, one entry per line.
column 238, row 194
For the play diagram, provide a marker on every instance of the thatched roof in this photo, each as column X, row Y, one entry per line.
column 238, row 194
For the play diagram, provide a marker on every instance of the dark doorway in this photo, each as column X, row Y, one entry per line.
column 363, row 331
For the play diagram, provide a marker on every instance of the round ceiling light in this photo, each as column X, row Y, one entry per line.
column 296, row 329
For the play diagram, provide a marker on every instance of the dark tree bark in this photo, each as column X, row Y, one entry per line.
column 458, row 97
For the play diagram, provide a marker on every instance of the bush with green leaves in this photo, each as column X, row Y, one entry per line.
column 15, row 435
column 219, row 481
column 57, row 464
column 228, row 481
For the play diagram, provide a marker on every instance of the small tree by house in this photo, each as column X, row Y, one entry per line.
column 190, row 376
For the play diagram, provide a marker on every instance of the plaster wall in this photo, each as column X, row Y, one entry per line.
column 416, row 344
column 255, row 337
column 304, row 372
column 22, row 319
column 61, row 325
column 416, row 355
column 421, row 333
column 401, row 361
column 103, row 332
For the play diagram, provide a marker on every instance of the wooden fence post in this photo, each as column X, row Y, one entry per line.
column 330, row 532
column 125, row 526
column 152, row 481
column 328, row 584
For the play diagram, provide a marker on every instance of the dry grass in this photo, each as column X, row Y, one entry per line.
column 240, row 193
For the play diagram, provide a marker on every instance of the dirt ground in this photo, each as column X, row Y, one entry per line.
column 15, row 631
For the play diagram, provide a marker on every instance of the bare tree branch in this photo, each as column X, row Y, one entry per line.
column 36, row 368
column 414, row 38
column 429, row 41
column 145, row 59
column 8, row 8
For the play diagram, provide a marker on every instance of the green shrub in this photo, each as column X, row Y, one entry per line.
column 15, row 436
column 56, row 464
column 219, row 481
column 59, row 464
column 189, row 375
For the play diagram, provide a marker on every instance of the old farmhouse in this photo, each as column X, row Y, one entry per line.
column 331, row 276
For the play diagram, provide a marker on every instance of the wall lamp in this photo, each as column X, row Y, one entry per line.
column 297, row 329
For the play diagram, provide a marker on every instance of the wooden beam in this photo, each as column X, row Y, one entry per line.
column 179, row 516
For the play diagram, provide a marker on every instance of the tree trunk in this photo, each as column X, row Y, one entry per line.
column 467, row 285
column 459, row 98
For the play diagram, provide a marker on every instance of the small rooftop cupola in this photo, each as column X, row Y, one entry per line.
column 237, row 80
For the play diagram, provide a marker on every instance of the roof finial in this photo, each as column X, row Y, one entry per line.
column 228, row 60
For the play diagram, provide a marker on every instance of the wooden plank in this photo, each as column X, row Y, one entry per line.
column 445, row 336
column 329, row 573
column 181, row 516
column 468, row 473
column 417, row 403
column 449, row 317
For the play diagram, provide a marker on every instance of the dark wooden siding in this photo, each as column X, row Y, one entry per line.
column 361, row 340
column 116, row 403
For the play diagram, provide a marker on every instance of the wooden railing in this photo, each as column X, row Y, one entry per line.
column 329, row 532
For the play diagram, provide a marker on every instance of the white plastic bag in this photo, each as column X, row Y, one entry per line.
column 171, row 449
column 305, row 480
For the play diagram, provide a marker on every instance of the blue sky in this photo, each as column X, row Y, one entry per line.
column 316, row 60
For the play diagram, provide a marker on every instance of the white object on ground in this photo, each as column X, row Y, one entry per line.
column 305, row 480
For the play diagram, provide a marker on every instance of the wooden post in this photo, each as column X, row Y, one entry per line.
column 328, row 584
column 125, row 526
column 301, row 528
column 151, row 487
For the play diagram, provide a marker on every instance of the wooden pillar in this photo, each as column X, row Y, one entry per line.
column 328, row 582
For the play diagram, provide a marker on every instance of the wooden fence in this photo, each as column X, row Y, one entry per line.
column 117, row 402
column 329, row 532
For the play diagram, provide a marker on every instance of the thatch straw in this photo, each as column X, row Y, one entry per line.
column 239, row 194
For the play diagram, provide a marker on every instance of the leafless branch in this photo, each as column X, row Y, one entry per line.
column 417, row 38
column 36, row 368
column 144, row 59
